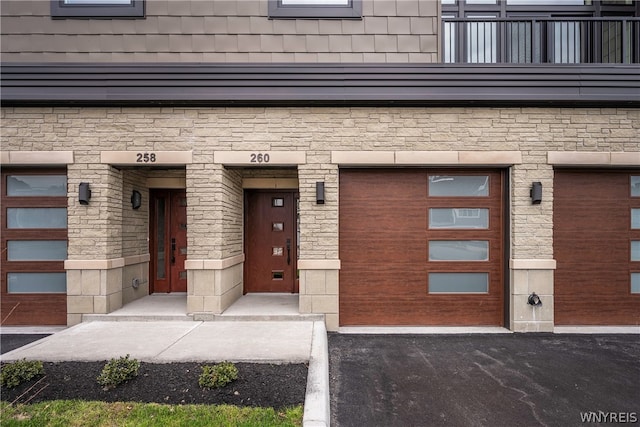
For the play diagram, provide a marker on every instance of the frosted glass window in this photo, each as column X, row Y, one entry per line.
column 46, row 283
column 548, row 2
column 36, row 185
column 635, row 186
column 315, row 2
column 635, row 250
column 161, row 270
column 635, row 283
column 36, row 217
column 444, row 283
column 635, row 218
column 477, row 218
column 277, row 251
column 37, row 250
column 107, row 2
column 458, row 250
column 459, row 186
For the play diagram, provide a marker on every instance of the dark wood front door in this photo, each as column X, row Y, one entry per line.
column 270, row 241
column 168, row 240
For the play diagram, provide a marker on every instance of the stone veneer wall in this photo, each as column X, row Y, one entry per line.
column 96, row 232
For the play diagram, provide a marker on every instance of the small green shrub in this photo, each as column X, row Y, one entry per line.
column 117, row 371
column 15, row 373
column 218, row 375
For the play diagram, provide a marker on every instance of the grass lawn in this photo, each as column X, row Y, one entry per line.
column 71, row 413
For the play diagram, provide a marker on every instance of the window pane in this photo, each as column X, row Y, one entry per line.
column 36, row 185
column 459, row 218
column 458, row 250
column 470, row 186
column 458, row 283
column 548, row 2
column 37, row 217
column 315, row 2
column 103, row 2
column 635, row 218
column 37, row 250
column 49, row 283
column 635, row 250
column 635, row 283
column 635, row 186
column 160, row 239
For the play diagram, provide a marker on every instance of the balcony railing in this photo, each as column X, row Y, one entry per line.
column 541, row 40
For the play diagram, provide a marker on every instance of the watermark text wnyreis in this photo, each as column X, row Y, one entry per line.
column 609, row 417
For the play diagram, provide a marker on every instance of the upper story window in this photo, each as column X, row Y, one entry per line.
column 97, row 8
column 315, row 9
column 541, row 31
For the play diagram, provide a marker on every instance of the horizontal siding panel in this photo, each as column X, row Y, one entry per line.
column 311, row 83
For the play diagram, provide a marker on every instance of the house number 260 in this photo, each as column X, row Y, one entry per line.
column 145, row 157
column 260, row 158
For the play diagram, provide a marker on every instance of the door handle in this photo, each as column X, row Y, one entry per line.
column 173, row 250
column 288, row 251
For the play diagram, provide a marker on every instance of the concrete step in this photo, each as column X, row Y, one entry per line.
column 136, row 317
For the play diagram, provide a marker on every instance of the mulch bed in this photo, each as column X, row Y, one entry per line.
column 265, row 385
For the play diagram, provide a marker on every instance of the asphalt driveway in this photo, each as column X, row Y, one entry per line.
column 484, row 380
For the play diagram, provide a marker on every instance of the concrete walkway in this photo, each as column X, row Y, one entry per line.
column 170, row 341
column 151, row 334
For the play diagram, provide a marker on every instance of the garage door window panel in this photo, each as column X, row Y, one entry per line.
column 42, row 283
column 635, row 186
column 458, row 250
column 37, row 218
column 458, row 283
column 635, row 219
column 36, row 185
column 635, row 283
column 458, row 186
column 458, row 218
column 37, row 250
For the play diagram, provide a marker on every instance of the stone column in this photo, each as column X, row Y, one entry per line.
column 319, row 264
column 214, row 231
column 94, row 263
column 531, row 265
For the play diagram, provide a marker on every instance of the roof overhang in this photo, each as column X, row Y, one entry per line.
column 200, row 84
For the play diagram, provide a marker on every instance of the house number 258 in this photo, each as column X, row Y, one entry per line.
column 260, row 158
column 145, row 157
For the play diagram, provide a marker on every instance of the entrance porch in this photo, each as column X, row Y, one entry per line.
column 154, row 307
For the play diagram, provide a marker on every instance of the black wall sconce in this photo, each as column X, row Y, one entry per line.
column 136, row 199
column 534, row 300
column 320, row 193
column 84, row 193
column 536, row 193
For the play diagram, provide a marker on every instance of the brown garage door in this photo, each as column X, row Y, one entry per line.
column 34, row 247
column 597, row 247
column 421, row 247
